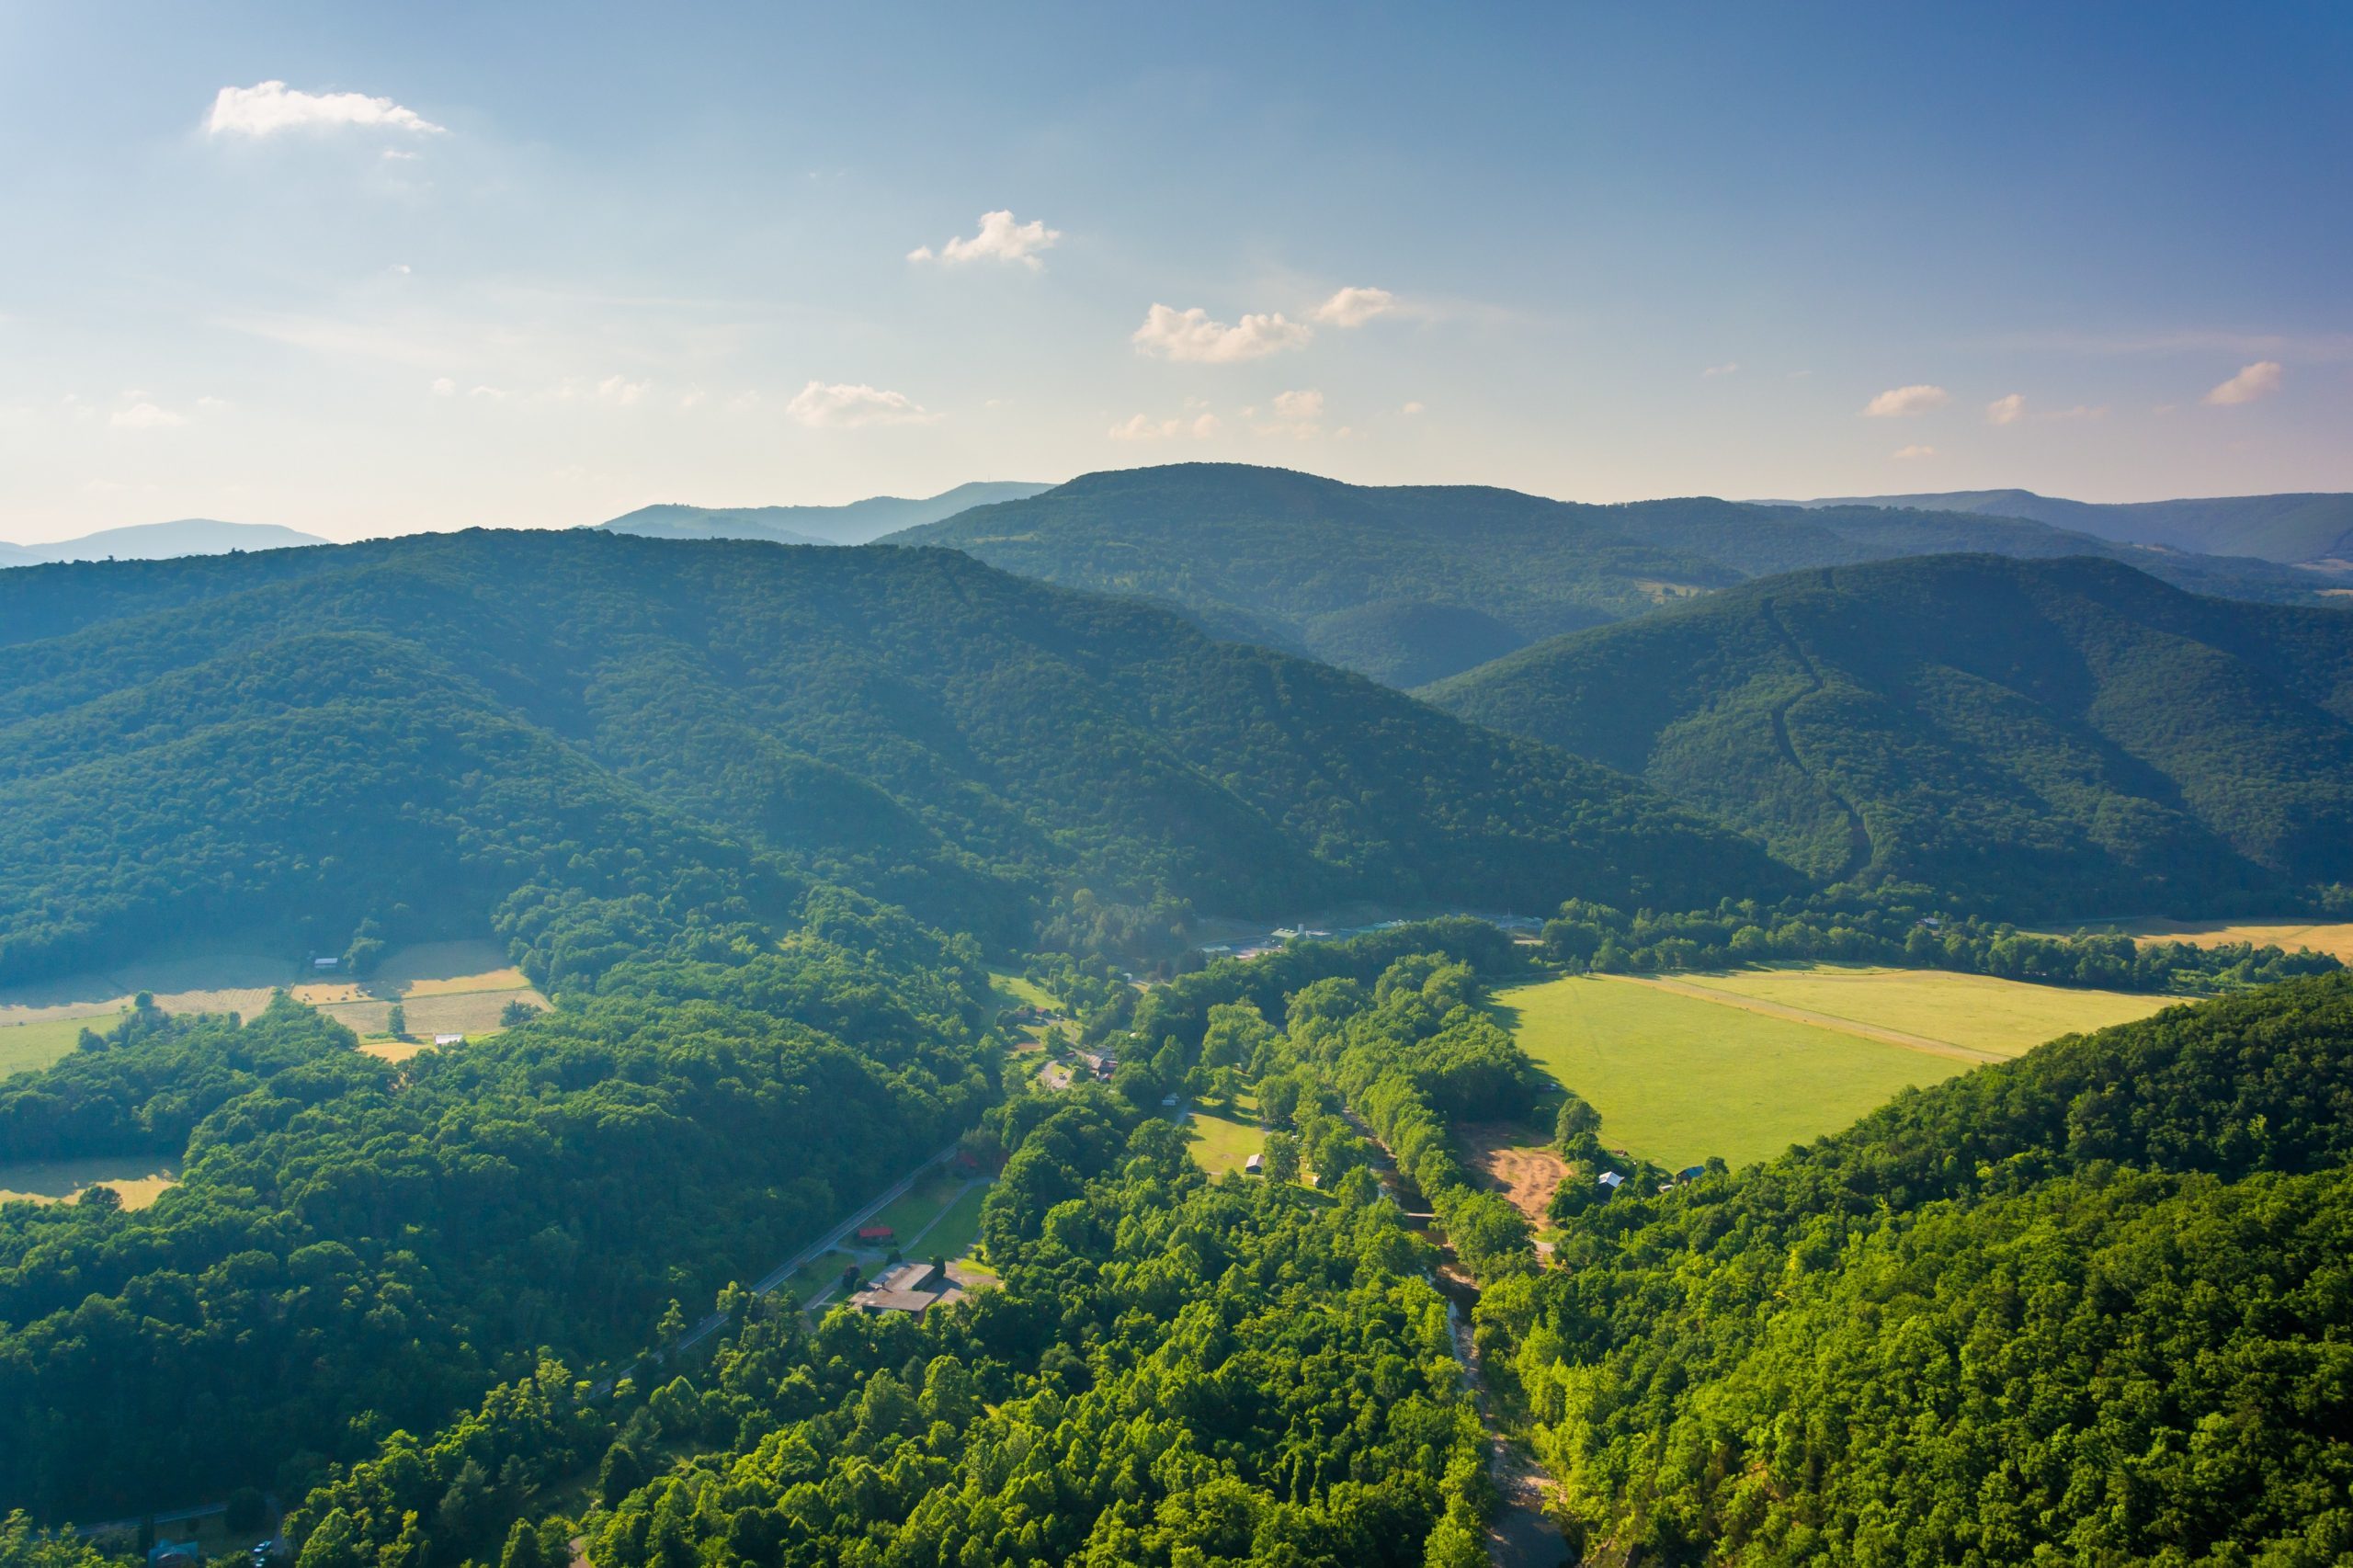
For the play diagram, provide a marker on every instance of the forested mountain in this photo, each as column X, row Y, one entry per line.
column 2289, row 528
column 2088, row 1306
column 159, row 542
column 446, row 718
column 854, row 523
column 2050, row 738
column 1410, row 583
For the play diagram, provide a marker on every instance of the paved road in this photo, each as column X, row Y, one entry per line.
column 790, row 1266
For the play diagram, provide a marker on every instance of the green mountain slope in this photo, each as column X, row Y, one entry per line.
column 2292, row 527
column 448, row 716
column 2089, row 1305
column 2056, row 738
column 854, row 523
column 1413, row 583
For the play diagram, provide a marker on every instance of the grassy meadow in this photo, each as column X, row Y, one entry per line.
column 24, row 1046
column 140, row 1178
column 1677, row 1079
column 2002, row 1018
column 2334, row 937
column 1679, row 1076
column 1222, row 1142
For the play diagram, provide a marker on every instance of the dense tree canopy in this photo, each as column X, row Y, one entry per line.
column 2090, row 1303
column 409, row 736
column 2030, row 739
column 1413, row 583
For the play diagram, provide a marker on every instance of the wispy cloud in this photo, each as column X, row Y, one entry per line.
column 2006, row 409
column 1899, row 402
column 145, row 417
column 1729, row 368
column 1140, row 428
column 1354, row 307
column 1912, row 454
column 273, row 107
column 845, row 406
column 1192, row 337
column 1000, row 239
column 2257, row 380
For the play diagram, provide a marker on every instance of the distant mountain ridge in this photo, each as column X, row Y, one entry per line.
column 2290, row 529
column 160, row 542
column 857, row 522
column 1411, row 584
column 239, row 742
column 2053, row 738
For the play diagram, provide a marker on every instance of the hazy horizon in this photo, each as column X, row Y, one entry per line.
column 365, row 274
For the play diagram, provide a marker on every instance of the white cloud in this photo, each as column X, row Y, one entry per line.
column 2006, row 409
column 620, row 390
column 144, row 417
column 2259, row 380
column 843, row 407
column 1141, row 428
column 1000, row 239
column 1898, row 402
column 1411, row 408
column 444, row 387
column 1298, row 415
column 1191, row 336
column 1729, row 368
column 211, row 405
column 273, row 107
column 1354, row 307
column 1912, row 454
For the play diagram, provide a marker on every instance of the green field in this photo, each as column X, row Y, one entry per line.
column 1012, row 991
column 24, row 1046
column 919, row 1205
column 141, row 1179
column 1677, row 1079
column 1221, row 1143
column 2004, row 1016
column 957, row 1231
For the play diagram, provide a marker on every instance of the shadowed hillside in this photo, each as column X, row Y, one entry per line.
column 444, row 718
column 1410, row 583
column 2055, row 737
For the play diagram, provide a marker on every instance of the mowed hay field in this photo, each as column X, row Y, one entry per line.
column 1978, row 1012
column 2334, row 938
column 1679, row 1078
column 141, row 1179
column 24, row 1046
column 1221, row 1143
column 457, row 987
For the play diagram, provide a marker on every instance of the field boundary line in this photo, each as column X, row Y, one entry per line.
column 1830, row 1021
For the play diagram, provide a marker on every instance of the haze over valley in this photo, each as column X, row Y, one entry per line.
column 617, row 953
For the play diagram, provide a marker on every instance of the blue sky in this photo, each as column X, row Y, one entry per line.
column 535, row 265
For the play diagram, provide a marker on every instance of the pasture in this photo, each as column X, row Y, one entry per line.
column 1679, row 1078
column 1976, row 1012
column 919, row 1206
column 140, row 1178
column 1222, row 1142
column 958, row 1229
column 459, row 987
column 2332, row 938
column 24, row 1046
